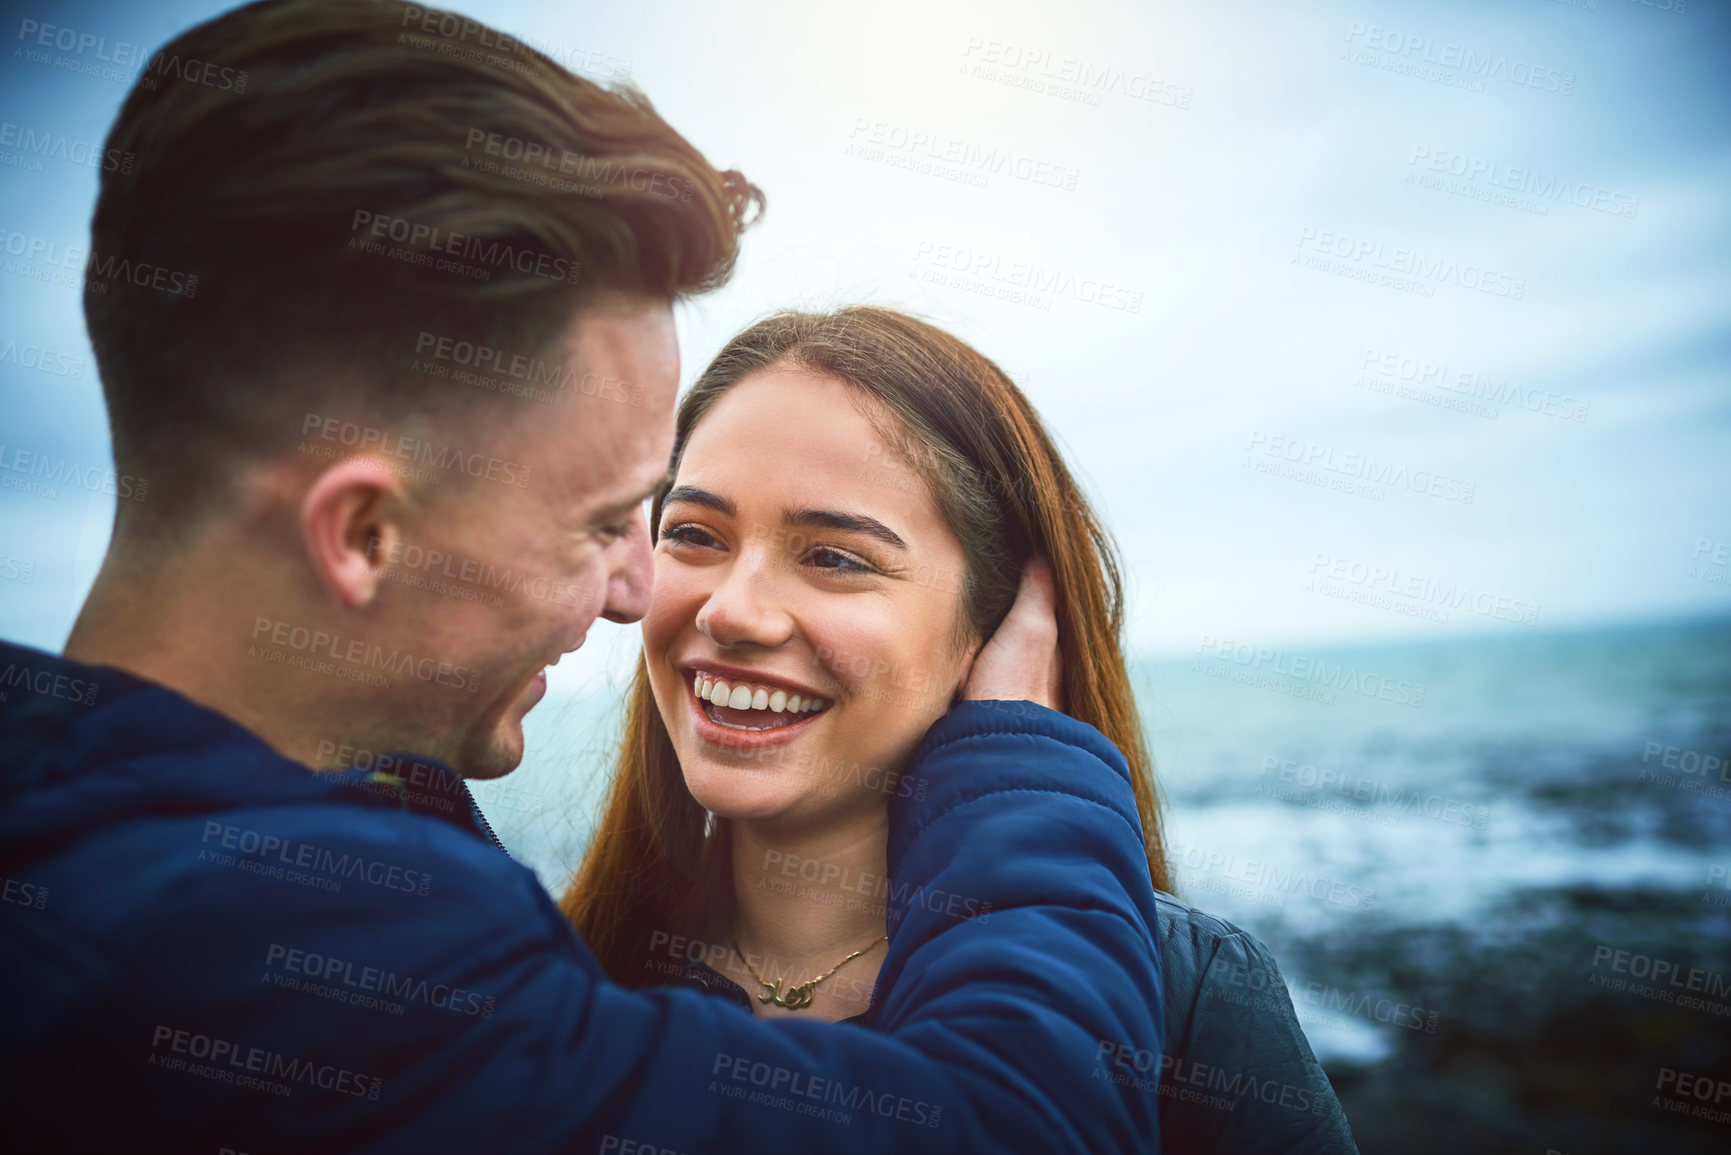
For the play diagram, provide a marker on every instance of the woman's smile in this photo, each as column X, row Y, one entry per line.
column 733, row 703
column 743, row 712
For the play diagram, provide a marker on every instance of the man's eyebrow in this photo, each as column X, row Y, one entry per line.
column 619, row 509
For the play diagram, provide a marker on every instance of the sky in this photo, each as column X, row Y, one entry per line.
column 1360, row 321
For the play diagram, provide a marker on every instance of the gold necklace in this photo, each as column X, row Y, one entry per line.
column 799, row 997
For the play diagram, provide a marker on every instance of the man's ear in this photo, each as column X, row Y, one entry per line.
column 350, row 525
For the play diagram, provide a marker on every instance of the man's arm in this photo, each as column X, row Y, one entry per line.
column 308, row 974
column 1022, row 951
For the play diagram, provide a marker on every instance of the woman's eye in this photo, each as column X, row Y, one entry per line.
column 834, row 559
column 689, row 534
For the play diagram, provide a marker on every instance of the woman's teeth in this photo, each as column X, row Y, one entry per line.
column 719, row 692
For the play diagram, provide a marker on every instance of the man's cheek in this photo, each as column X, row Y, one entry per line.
column 579, row 599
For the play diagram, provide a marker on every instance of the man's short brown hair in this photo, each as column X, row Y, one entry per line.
column 322, row 186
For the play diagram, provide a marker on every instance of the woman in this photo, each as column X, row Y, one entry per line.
column 854, row 498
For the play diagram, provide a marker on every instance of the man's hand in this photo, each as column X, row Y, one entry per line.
column 1020, row 661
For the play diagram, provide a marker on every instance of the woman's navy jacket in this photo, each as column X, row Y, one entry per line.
column 204, row 946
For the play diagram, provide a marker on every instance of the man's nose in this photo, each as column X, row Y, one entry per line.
column 633, row 575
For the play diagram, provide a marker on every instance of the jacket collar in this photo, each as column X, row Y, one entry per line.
column 80, row 742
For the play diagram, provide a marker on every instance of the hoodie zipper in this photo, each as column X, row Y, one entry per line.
column 475, row 809
column 402, row 790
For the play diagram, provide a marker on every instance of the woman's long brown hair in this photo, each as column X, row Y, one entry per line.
column 656, row 865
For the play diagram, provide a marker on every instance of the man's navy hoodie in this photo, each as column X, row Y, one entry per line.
column 206, row 946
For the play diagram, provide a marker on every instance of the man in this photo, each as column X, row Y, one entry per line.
column 383, row 315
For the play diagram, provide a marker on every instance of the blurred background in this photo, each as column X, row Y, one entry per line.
column 1392, row 341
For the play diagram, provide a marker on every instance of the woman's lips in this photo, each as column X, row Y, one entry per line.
column 768, row 716
column 736, row 696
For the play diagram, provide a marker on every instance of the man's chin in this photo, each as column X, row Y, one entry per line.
column 495, row 753
column 501, row 749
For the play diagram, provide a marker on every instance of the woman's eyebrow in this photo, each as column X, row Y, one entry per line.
column 809, row 518
column 699, row 497
column 854, row 522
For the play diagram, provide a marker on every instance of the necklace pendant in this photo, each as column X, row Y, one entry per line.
column 793, row 999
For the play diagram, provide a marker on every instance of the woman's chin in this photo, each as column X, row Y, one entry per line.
column 728, row 792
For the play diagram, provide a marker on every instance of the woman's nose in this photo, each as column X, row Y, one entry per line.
column 746, row 609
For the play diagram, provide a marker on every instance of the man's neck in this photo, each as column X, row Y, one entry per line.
column 182, row 624
column 805, row 901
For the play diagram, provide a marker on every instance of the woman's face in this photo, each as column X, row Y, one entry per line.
column 801, row 562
